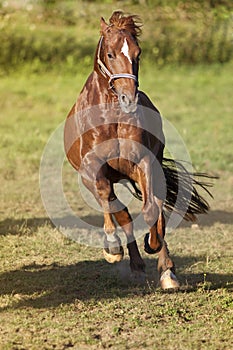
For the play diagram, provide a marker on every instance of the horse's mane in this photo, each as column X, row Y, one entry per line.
column 131, row 23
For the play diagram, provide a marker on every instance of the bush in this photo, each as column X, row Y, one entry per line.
column 58, row 33
column 171, row 43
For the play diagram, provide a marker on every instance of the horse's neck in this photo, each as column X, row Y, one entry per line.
column 96, row 91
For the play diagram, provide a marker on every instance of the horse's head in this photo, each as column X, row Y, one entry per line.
column 117, row 58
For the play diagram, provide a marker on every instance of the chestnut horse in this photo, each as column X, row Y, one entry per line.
column 107, row 139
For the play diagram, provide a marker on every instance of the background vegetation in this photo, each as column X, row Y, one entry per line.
column 55, row 293
column 60, row 32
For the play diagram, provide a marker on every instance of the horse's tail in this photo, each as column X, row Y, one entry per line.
column 182, row 195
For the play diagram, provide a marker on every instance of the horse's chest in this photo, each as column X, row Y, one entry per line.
column 114, row 136
column 129, row 131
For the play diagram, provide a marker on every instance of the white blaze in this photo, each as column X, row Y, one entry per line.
column 125, row 50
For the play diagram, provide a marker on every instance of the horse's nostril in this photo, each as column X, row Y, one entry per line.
column 128, row 104
column 125, row 100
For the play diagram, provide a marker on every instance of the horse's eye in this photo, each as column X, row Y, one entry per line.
column 110, row 55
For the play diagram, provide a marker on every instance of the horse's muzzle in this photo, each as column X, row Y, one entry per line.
column 127, row 103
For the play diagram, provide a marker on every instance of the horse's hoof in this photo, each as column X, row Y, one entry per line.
column 113, row 251
column 113, row 258
column 147, row 247
column 168, row 281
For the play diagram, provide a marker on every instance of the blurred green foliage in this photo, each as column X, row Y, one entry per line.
column 51, row 33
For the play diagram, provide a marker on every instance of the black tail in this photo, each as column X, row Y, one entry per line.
column 182, row 195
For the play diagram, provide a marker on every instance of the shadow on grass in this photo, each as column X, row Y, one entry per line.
column 42, row 286
column 28, row 226
column 214, row 216
column 22, row 226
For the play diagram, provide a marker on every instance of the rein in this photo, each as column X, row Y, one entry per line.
column 107, row 74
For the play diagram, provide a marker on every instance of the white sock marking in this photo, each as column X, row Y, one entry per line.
column 125, row 50
column 111, row 238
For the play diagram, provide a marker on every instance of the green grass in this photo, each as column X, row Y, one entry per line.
column 57, row 294
column 197, row 102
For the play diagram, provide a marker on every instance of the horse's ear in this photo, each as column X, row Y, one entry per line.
column 103, row 24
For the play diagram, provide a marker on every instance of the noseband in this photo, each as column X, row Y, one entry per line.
column 107, row 74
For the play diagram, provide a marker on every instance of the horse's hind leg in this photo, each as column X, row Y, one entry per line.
column 166, row 267
column 124, row 219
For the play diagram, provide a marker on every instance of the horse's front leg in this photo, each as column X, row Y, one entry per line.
column 113, row 250
column 166, row 267
column 101, row 188
column 112, row 206
column 150, row 209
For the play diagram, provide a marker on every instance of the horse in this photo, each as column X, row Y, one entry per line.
column 108, row 138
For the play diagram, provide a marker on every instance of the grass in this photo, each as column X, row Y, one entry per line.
column 57, row 294
column 197, row 103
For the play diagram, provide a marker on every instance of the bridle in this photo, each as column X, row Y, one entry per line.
column 107, row 74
